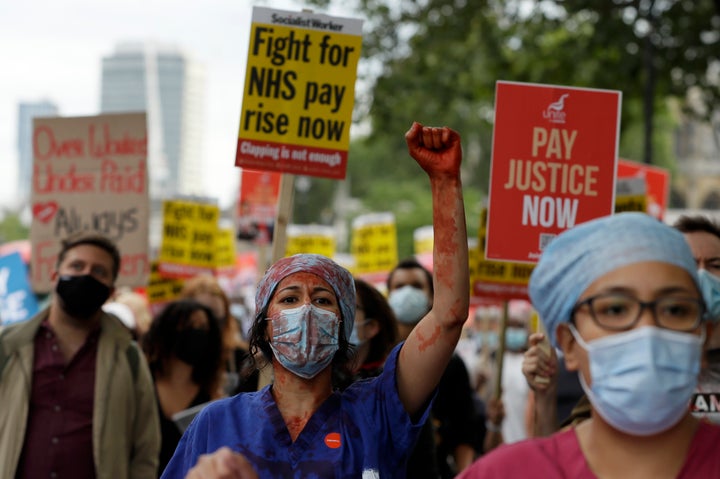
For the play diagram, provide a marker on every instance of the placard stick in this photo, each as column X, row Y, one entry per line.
column 284, row 212
column 500, row 353
column 544, row 346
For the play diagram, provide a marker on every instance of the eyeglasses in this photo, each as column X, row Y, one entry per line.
column 619, row 312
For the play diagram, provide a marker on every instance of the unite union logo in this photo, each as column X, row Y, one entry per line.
column 554, row 112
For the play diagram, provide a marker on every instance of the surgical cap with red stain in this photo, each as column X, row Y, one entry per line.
column 335, row 275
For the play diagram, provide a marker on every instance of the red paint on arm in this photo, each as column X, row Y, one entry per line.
column 424, row 343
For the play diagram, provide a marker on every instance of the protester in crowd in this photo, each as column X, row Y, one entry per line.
column 240, row 375
column 184, row 350
column 620, row 296
column 132, row 309
column 242, row 314
column 556, row 392
column 487, row 340
column 514, row 389
column 299, row 426
column 373, row 336
column 484, row 337
column 138, row 304
column 76, row 394
column 703, row 237
column 411, row 292
column 124, row 314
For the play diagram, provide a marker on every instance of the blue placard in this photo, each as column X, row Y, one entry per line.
column 17, row 300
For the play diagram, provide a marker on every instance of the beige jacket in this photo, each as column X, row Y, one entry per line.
column 126, row 428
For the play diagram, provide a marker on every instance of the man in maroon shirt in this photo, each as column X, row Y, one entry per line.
column 77, row 395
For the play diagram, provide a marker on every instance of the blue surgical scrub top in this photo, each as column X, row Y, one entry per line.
column 363, row 432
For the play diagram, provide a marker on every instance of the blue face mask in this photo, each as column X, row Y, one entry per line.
column 305, row 339
column 490, row 340
column 409, row 304
column 710, row 289
column 516, row 338
column 355, row 337
column 642, row 379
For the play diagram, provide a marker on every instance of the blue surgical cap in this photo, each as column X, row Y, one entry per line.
column 577, row 257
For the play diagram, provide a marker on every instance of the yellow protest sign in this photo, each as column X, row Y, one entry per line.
column 225, row 248
column 315, row 239
column 498, row 279
column 161, row 290
column 299, row 93
column 473, row 261
column 374, row 243
column 188, row 241
column 423, row 240
column 630, row 195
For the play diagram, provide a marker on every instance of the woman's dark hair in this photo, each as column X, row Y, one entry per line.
column 159, row 343
column 259, row 341
column 377, row 308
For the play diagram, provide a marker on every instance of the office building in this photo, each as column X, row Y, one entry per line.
column 167, row 84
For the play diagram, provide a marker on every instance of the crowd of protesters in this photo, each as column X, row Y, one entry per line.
column 618, row 378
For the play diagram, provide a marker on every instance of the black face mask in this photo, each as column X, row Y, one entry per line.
column 81, row 296
column 191, row 345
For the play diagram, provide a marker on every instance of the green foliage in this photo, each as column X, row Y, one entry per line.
column 631, row 142
column 315, row 204
column 437, row 61
column 12, row 228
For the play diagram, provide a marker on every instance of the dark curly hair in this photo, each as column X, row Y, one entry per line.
column 377, row 309
column 159, row 343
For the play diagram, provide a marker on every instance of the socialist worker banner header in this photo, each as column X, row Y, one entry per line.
column 299, row 93
column 553, row 165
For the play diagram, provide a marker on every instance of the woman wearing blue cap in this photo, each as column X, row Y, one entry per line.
column 305, row 308
column 619, row 295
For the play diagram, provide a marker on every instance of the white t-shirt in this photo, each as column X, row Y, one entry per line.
column 515, row 392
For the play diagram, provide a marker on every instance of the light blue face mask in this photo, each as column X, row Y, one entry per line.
column 355, row 337
column 642, row 379
column 409, row 304
column 710, row 289
column 486, row 340
column 516, row 338
column 305, row 339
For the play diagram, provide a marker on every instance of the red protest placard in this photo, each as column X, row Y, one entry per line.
column 656, row 179
column 257, row 204
column 259, row 191
column 553, row 165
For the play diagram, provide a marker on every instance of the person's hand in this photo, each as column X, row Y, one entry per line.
column 539, row 367
column 436, row 150
column 222, row 464
column 495, row 412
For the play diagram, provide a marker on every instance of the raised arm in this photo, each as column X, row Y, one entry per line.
column 428, row 349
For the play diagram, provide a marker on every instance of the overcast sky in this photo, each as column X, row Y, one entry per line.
column 52, row 50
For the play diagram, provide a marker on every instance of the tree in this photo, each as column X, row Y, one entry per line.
column 12, row 228
column 436, row 61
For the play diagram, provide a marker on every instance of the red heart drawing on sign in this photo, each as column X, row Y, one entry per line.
column 44, row 212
